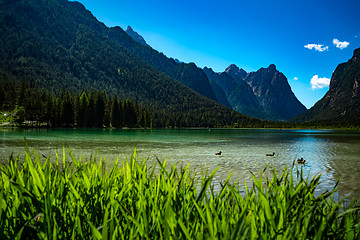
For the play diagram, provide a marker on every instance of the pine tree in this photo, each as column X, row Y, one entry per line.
column 99, row 112
column 66, row 109
column 83, row 112
column 130, row 119
column 142, row 119
column 107, row 116
column 115, row 113
column 22, row 93
column 55, row 120
column 49, row 109
column 90, row 121
column 20, row 115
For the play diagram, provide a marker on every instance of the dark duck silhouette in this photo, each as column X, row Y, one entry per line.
column 270, row 154
column 218, row 154
column 301, row 161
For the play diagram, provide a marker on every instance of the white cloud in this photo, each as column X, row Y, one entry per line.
column 317, row 47
column 339, row 44
column 295, row 78
column 318, row 83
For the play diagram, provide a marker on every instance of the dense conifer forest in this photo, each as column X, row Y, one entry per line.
column 31, row 105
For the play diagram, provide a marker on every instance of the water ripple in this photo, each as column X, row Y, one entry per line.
column 333, row 154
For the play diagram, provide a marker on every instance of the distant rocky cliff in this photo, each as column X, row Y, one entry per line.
column 274, row 93
column 264, row 94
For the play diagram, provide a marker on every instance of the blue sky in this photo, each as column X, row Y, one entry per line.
column 305, row 39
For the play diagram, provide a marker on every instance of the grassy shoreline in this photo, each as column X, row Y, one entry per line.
column 75, row 199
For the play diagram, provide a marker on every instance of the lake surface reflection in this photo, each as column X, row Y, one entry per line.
column 333, row 153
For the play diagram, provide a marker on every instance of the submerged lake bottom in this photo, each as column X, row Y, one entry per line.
column 332, row 153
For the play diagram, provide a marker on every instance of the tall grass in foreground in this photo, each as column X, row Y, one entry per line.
column 72, row 199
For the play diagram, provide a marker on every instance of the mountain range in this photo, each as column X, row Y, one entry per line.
column 265, row 93
column 58, row 31
column 58, row 44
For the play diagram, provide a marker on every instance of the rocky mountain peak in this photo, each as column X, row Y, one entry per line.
column 236, row 72
column 209, row 70
column 272, row 67
column 232, row 68
column 137, row 37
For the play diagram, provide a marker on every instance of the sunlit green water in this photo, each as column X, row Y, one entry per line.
column 332, row 153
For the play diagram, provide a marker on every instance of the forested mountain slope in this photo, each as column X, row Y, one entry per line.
column 57, row 44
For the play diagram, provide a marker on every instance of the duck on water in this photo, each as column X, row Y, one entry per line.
column 301, row 161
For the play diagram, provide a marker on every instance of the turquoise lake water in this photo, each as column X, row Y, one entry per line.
column 333, row 153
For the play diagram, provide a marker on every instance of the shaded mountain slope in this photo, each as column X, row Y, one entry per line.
column 263, row 94
column 220, row 94
column 274, row 94
column 238, row 93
